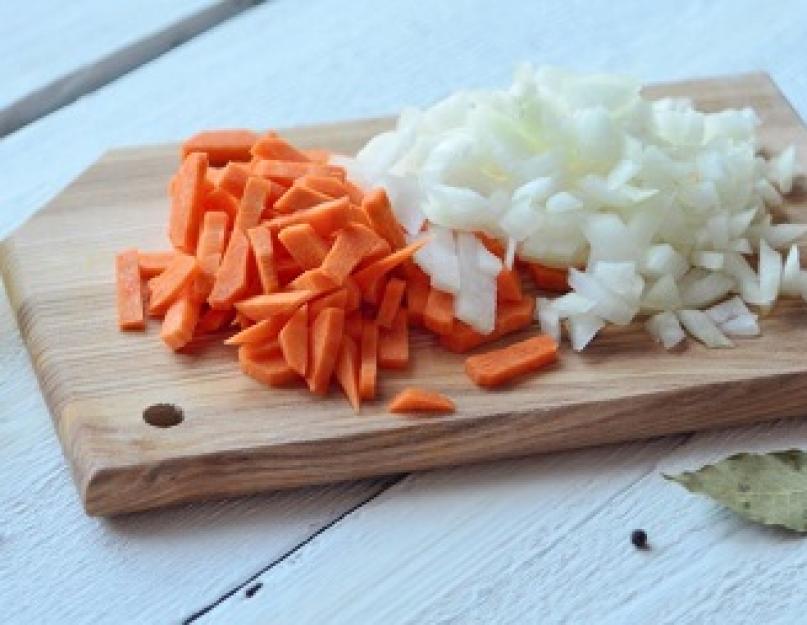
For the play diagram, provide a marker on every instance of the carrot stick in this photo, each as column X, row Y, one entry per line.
column 186, row 204
column 325, row 339
column 369, row 360
column 129, row 291
column 357, row 215
column 391, row 302
column 418, row 400
column 252, row 203
column 233, row 179
column 353, row 325
column 315, row 281
column 355, row 194
column 306, row 247
column 353, row 295
column 272, row 370
column 265, row 330
column 262, row 351
column 287, row 269
column 352, row 244
column 166, row 287
column 332, row 187
column 232, row 277
column 369, row 277
column 212, row 321
column 393, row 344
column 153, row 263
column 510, row 317
column 271, row 146
column 293, row 339
column 180, row 321
column 347, row 371
column 334, row 299
column 493, row 245
column 260, row 240
column 438, row 315
column 264, row 306
column 417, row 292
column 508, row 286
column 498, row 367
column 378, row 209
column 286, row 172
column 549, row 278
column 209, row 250
column 317, row 155
column 221, row 146
column 325, row 218
column 299, row 197
column 219, row 200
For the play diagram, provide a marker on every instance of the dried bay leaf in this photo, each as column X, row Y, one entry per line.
column 768, row 488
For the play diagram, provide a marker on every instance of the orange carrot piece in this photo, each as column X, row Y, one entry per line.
column 438, row 314
column 352, row 244
column 332, row 187
column 508, row 286
column 264, row 306
column 186, row 204
column 212, row 321
column 369, row 276
column 549, row 278
column 234, row 178
column 287, row 269
column 232, row 277
column 393, row 344
column 221, row 146
column 510, row 317
column 263, row 250
column 357, row 215
column 166, row 287
column 299, row 197
column 293, row 339
column 219, row 200
column 334, row 299
column 153, row 263
column 493, row 245
column 317, row 155
column 306, row 247
column 129, row 291
column 272, row 147
column 499, row 366
column 242, row 321
column 325, row 338
column 347, row 371
column 325, row 218
column 417, row 292
column 265, row 330
column 353, row 325
column 276, row 191
column 180, row 321
column 315, row 281
column 286, row 172
column 261, row 351
column 418, row 400
column 269, row 369
column 376, row 205
column 353, row 295
column 209, row 250
column 368, row 370
column 252, row 203
column 391, row 302
column 355, row 194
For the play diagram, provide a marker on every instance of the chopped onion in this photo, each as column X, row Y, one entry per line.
column 583, row 328
column 548, row 318
column 698, row 324
column 792, row 278
column 666, row 329
column 770, row 272
column 572, row 304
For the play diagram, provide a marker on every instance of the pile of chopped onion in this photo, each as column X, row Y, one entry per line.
column 658, row 209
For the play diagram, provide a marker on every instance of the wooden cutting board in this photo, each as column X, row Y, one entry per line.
column 238, row 436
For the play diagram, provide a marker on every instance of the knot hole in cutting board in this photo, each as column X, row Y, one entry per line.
column 163, row 415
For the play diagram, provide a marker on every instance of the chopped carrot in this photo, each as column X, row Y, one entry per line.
column 234, row 178
column 549, row 278
column 355, row 194
column 391, row 302
column 221, row 146
column 317, row 155
column 306, row 247
column 325, row 339
column 264, row 306
column 334, row 299
column 353, row 295
column 261, row 351
column 186, row 205
column 287, row 269
column 209, row 251
column 369, row 360
column 418, row 400
column 332, row 187
column 417, row 292
column 272, row 147
column 166, row 287
column 263, row 250
column 493, row 245
column 498, row 367
column 347, row 371
column 286, row 172
column 260, row 332
column 393, row 343
column 221, row 201
column 252, row 203
column 272, row 370
column 352, row 244
column 357, row 215
column 315, row 281
column 299, row 197
column 153, row 263
column 376, row 205
column 180, row 321
column 438, row 314
column 508, row 286
column 353, row 325
column 325, row 218
column 510, row 317
column 293, row 339
column 130, row 294
column 369, row 277
column 232, row 277
column 212, row 321
column 276, row 191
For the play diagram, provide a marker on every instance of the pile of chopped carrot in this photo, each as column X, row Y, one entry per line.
column 312, row 275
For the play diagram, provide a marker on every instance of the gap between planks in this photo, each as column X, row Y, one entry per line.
column 91, row 77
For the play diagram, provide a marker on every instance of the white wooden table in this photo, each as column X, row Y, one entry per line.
column 539, row 540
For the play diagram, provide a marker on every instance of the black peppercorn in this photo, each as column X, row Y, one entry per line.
column 639, row 539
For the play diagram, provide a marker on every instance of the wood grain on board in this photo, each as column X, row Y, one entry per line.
column 239, row 436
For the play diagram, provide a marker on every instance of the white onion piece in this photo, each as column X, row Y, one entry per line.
column 510, row 253
column 663, row 295
column 475, row 303
column 707, row 290
column 563, row 202
column 708, row 260
column 666, row 329
column 698, row 324
column 770, row 272
column 729, row 309
column 438, row 258
column 572, row 304
column 548, row 318
column 661, row 260
column 744, row 325
column 406, row 199
column 608, row 305
column 582, row 329
column 781, row 169
column 791, row 273
column 783, row 235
